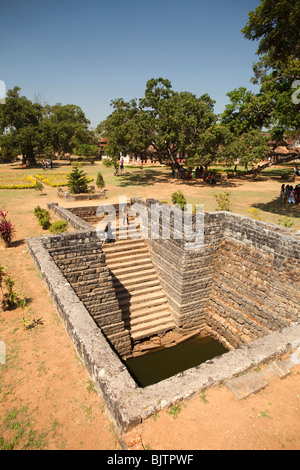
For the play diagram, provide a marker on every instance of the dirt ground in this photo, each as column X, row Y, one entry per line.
column 48, row 402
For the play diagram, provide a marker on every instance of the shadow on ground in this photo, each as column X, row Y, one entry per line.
column 276, row 207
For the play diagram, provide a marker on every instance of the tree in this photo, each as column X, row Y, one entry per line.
column 275, row 23
column 65, row 129
column 100, row 181
column 19, row 126
column 30, row 129
column 77, row 181
column 247, row 149
column 208, row 148
column 161, row 125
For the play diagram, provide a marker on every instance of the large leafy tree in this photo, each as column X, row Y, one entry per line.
column 19, row 126
column 29, row 129
column 275, row 24
column 65, row 129
column 162, row 124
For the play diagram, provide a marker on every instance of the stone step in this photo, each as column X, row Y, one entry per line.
column 152, row 330
column 119, row 270
column 126, row 257
column 147, row 305
column 125, row 294
column 136, row 260
column 142, row 321
column 133, row 287
column 144, row 311
column 131, row 275
column 123, row 245
column 140, row 298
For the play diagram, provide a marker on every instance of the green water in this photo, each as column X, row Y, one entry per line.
column 164, row 363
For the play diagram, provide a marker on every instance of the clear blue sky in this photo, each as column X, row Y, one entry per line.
column 90, row 52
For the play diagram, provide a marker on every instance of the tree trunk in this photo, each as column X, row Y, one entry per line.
column 286, row 158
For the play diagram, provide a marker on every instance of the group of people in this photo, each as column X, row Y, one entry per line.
column 290, row 194
column 47, row 164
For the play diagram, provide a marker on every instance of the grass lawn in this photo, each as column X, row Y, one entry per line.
column 262, row 195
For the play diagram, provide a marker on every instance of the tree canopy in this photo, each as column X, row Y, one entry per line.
column 275, row 24
column 162, row 124
column 30, row 129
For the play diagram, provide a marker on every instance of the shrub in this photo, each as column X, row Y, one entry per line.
column 38, row 186
column 285, row 222
column 11, row 299
column 7, row 230
column 77, row 181
column 100, row 181
column 223, row 201
column 43, row 217
column 58, row 227
column 178, row 199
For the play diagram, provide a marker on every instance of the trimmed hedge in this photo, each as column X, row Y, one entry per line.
column 56, row 180
column 21, row 185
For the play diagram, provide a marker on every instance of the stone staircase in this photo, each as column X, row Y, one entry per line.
column 143, row 303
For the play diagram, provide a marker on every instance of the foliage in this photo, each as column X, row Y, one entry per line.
column 38, row 186
column 43, row 217
column 16, row 182
column 223, row 201
column 2, row 274
column 249, row 148
column 20, row 119
column 7, row 230
column 86, row 150
column 178, row 199
column 275, row 24
column 161, row 125
column 11, row 299
column 100, row 183
column 29, row 325
column 58, row 227
column 77, row 180
column 65, row 128
column 256, row 213
column 56, row 179
column 30, row 129
column 285, row 222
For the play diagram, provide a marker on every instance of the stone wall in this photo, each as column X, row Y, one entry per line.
column 80, row 258
column 80, row 197
column 185, row 274
column 242, row 283
column 256, row 286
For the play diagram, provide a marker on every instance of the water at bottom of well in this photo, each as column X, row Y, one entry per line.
column 158, row 365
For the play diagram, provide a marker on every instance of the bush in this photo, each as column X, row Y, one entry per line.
column 178, row 199
column 7, row 230
column 100, row 181
column 38, row 186
column 11, row 299
column 77, row 181
column 58, row 227
column 43, row 217
column 223, row 201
